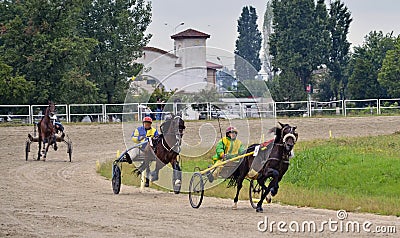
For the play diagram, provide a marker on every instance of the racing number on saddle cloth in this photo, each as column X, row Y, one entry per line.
column 255, row 167
column 256, row 150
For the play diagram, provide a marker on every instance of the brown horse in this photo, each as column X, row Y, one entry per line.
column 165, row 148
column 46, row 132
column 275, row 166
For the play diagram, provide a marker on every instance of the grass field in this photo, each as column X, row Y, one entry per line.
column 355, row 174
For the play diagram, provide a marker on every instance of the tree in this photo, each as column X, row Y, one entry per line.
column 362, row 83
column 389, row 76
column 39, row 40
column 119, row 27
column 286, row 88
column 339, row 24
column 366, row 63
column 299, row 41
column 248, row 45
column 267, row 30
column 13, row 90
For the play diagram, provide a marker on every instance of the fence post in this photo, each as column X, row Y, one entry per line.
column 105, row 113
column 31, row 114
column 378, row 106
column 69, row 112
column 208, row 111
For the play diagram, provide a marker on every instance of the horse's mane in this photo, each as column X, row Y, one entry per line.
column 164, row 127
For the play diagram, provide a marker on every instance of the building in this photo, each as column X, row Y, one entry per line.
column 185, row 69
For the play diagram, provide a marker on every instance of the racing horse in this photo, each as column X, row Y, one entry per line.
column 46, row 132
column 275, row 166
column 165, row 148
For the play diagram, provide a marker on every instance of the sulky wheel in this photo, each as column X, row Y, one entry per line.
column 196, row 190
column 27, row 149
column 116, row 178
column 254, row 193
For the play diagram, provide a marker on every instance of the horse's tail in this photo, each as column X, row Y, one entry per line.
column 233, row 178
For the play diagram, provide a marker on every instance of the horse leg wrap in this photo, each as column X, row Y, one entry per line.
column 269, row 197
column 234, row 207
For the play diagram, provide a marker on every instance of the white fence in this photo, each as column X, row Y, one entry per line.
column 135, row 111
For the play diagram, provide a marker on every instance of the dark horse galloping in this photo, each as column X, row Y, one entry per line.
column 274, row 167
column 46, row 132
column 165, row 149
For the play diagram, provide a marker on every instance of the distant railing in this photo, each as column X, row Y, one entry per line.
column 195, row 111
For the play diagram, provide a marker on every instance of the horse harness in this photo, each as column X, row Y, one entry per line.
column 285, row 157
column 176, row 147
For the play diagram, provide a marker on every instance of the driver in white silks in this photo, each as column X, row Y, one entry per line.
column 57, row 124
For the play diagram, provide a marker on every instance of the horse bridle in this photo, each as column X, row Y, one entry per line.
column 177, row 146
column 290, row 134
column 284, row 139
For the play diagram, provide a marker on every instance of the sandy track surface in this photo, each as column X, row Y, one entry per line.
column 57, row 198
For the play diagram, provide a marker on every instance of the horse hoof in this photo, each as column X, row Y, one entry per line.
column 259, row 209
column 55, row 148
column 234, row 207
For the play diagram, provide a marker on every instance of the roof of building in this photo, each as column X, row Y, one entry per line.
column 163, row 52
column 190, row 33
column 211, row 65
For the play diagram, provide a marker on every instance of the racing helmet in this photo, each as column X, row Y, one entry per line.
column 231, row 129
column 147, row 119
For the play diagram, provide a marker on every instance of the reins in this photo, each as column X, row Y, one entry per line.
column 176, row 134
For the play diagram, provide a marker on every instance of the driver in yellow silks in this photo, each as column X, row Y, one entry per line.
column 227, row 148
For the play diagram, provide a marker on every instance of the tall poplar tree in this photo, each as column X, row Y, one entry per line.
column 339, row 24
column 248, row 45
column 299, row 42
column 267, row 30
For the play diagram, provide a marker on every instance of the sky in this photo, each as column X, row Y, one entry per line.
column 218, row 18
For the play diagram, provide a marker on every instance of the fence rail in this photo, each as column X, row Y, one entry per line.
column 136, row 111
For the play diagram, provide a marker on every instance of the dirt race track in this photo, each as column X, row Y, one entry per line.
column 57, row 198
